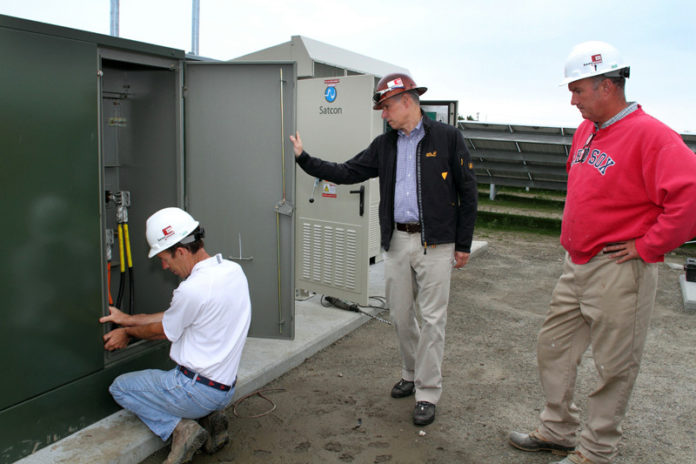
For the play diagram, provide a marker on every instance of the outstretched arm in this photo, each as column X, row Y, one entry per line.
column 359, row 168
column 129, row 320
column 119, row 338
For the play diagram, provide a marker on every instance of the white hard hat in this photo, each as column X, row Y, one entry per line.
column 592, row 59
column 167, row 227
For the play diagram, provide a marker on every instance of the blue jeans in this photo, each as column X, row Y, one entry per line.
column 162, row 398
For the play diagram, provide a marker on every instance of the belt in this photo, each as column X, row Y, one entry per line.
column 410, row 228
column 204, row 380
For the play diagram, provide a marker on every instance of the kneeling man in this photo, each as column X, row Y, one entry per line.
column 207, row 323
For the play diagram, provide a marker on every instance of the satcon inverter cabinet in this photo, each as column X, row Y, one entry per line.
column 337, row 225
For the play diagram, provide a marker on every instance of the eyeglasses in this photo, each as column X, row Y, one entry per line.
column 586, row 148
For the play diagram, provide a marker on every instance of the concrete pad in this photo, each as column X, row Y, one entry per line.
column 123, row 439
column 478, row 247
column 689, row 293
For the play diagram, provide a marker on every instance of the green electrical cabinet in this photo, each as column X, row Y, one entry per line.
column 52, row 276
column 49, row 139
column 83, row 119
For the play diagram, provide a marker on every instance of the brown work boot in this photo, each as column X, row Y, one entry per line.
column 187, row 438
column 215, row 424
column 534, row 442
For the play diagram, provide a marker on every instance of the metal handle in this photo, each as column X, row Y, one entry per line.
column 241, row 257
column 316, row 182
column 362, row 198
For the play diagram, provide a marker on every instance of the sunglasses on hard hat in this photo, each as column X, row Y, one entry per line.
column 391, row 85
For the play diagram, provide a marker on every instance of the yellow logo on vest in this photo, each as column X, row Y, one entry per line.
column 444, row 175
column 431, row 154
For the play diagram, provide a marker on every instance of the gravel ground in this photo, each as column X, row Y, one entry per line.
column 336, row 407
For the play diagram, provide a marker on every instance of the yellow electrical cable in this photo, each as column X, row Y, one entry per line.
column 120, row 248
column 128, row 248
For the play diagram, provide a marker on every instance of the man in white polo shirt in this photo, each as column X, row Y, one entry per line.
column 207, row 323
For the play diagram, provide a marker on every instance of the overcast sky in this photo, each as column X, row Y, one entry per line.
column 502, row 60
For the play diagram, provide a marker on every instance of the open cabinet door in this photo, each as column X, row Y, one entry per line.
column 239, row 177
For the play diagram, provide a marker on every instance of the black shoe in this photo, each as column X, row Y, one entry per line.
column 533, row 442
column 403, row 388
column 424, row 413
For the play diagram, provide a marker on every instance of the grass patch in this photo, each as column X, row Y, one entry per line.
column 540, row 200
column 688, row 250
column 511, row 201
column 522, row 192
column 516, row 222
column 489, row 221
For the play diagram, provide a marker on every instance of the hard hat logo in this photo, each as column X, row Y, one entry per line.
column 594, row 58
column 391, row 85
column 167, row 231
column 395, row 84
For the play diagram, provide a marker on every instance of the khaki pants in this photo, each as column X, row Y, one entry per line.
column 417, row 285
column 607, row 306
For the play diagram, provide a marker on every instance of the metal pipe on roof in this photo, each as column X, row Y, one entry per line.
column 114, row 17
column 195, row 20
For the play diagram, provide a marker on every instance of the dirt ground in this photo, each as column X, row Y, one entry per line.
column 336, row 408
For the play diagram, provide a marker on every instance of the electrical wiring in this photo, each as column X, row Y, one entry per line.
column 329, row 301
column 260, row 394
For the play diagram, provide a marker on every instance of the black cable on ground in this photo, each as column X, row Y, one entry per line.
column 329, row 301
column 383, row 303
column 258, row 393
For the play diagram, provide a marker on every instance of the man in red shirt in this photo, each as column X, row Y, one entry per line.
column 631, row 199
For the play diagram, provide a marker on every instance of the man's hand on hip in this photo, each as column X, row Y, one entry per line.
column 623, row 251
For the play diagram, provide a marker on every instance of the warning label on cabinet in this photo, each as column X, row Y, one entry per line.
column 328, row 190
